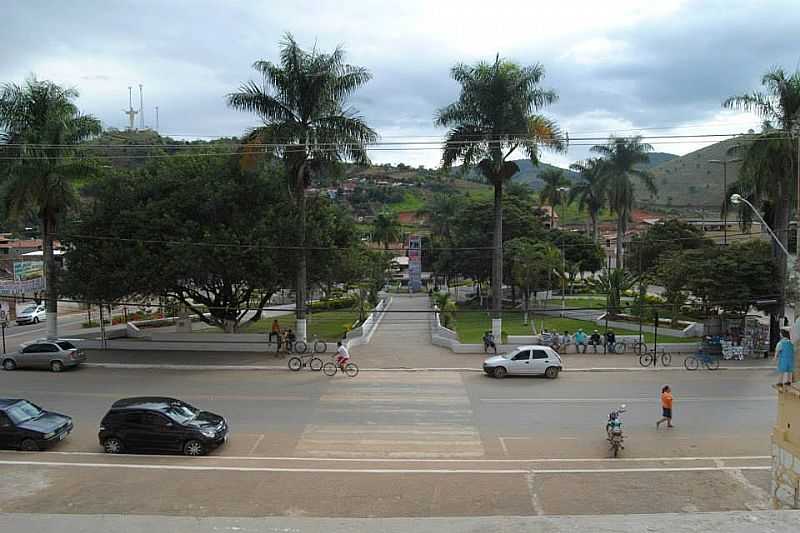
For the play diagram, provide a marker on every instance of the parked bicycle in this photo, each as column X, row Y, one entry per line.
column 320, row 346
column 640, row 347
column 648, row 357
column 330, row 368
column 617, row 347
column 693, row 362
column 305, row 360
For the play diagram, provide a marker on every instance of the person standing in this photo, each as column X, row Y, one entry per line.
column 666, row 407
column 785, row 353
column 275, row 331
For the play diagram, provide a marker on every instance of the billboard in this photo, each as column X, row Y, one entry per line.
column 26, row 270
column 414, row 263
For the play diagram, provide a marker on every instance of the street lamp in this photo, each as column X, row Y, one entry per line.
column 737, row 199
column 724, row 163
column 563, row 191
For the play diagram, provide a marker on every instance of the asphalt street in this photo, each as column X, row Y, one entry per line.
column 397, row 444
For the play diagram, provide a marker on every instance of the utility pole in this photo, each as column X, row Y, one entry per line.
column 724, row 163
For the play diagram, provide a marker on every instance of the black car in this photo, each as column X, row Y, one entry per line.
column 26, row 426
column 160, row 424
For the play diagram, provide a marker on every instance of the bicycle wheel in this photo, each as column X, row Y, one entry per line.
column 646, row 359
column 691, row 363
column 619, row 347
column 639, row 348
column 320, row 346
column 329, row 369
column 300, row 347
column 666, row 358
column 712, row 363
column 351, row 369
column 315, row 364
column 295, row 364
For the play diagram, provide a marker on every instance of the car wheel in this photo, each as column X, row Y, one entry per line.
column 551, row 372
column 112, row 445
column 500, row 372
column 29, row 445
column 194, row 447
column 9, row 364
column 56, row 366
column 36, row 320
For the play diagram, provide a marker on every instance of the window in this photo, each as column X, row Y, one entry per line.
column 23, row 411
column 4, row 422
column 154, row 420
column 34, row 348
column 66, row 345
column 134, row 418
column 522, row 356
column 540, row 354
column 49, row 348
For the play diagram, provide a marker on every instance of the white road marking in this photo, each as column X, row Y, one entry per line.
column 760, row 498
column 401, row 460
column 380, row 470
column 503, row 445
column 535, row 503
column 628, row 400
column 258, row 441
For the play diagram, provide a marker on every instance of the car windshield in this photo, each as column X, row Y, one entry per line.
column 22, row 412
column 181, row 412
column 28, row 310
column 66, row 345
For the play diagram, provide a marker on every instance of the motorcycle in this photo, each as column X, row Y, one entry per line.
column 614, row 431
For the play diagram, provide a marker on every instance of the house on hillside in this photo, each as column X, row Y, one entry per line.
column 549, row 214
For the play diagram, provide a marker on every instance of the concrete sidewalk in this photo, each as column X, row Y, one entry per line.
column 722, row 522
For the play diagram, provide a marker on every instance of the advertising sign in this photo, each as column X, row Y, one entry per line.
column 26, row 270
column 414, row 263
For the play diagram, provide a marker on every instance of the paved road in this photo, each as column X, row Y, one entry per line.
column 16, row 335
column 406, row 444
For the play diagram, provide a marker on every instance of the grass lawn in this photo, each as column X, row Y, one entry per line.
column 471, row 325
column 327, row 325
column 411, row 202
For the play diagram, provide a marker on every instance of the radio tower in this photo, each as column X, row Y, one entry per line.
column 141, row 108
column 131, row 112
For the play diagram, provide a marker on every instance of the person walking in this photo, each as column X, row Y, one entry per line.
column 666, row 407
column 785, row 352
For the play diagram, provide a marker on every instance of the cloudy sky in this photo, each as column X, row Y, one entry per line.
column 624, row 67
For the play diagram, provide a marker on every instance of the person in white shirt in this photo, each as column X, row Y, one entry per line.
column 342, row 355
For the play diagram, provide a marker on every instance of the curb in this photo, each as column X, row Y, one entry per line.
column 146, row 366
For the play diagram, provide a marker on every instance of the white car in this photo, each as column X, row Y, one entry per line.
column 525, row 360
column 33, row 314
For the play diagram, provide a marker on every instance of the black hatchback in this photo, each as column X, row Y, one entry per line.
column 157, row 424
column 26, row 426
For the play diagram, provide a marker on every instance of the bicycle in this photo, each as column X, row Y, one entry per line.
column 617, row 347
column 310, row 360
column 640, row 347
column 693, row 362
column 647, row 358
column 320, row 346
column 330, row 368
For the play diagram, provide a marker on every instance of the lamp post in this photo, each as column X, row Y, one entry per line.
column 563, row 191
column 737, row 199
column 724, row 163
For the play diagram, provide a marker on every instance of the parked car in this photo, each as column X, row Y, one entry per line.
column 56, row 355
column 161, row 424
column 33, row 314
column 26, row 426
column 525, row 360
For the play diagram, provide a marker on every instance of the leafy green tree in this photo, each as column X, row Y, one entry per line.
column 579, row 250
column 496, row 114
column 40, row 126
column 386, row 229
column 672, row 273
column 302, row 102
column 622, row 159
column 197, row 229
column 532, row 265
column 447, row 308
column 554, row 192
column 590, row 190
column 661, row 239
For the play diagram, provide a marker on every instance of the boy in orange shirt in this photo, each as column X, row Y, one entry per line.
column 666, row 407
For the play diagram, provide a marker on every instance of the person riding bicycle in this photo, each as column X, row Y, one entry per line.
column 342, row 355
column 488, row 342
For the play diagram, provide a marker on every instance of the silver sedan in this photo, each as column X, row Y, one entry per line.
column 56, row 355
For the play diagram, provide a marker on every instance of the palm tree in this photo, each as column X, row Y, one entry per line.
column 590, row 190
column 40, row 123
column 770, row 162
column 622, row 156
column 495, row 114
column 386, row 229
column 301, row 102
column 613, row 283
column 553, row 192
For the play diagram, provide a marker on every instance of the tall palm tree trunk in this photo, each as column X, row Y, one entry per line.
column 497, row 259
column 50, row 276
column 621, row 223
column 781, row 226
column 300, row 292
column 593, row 216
